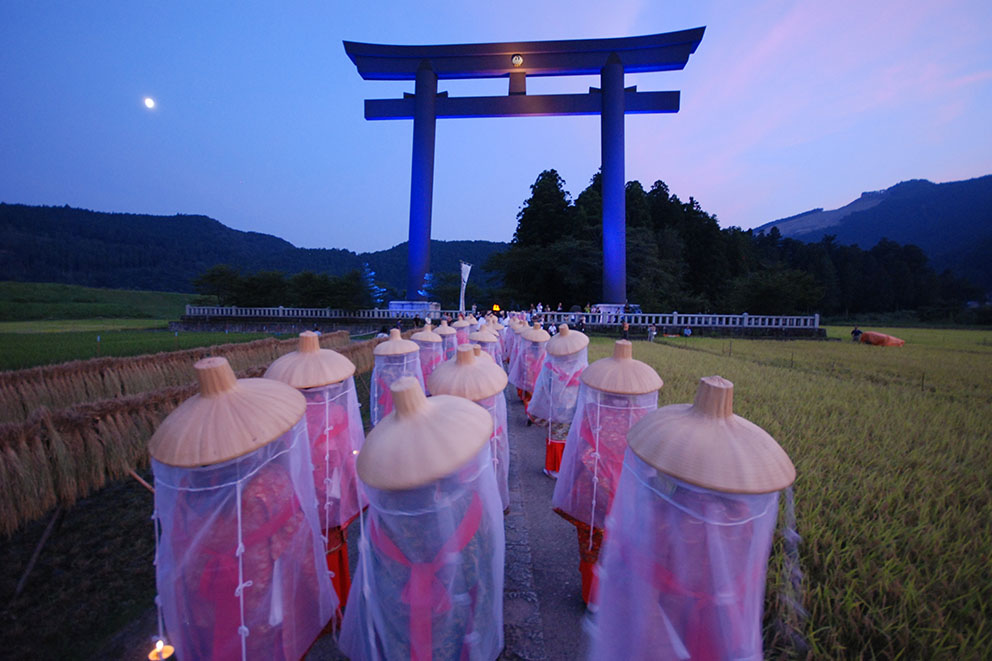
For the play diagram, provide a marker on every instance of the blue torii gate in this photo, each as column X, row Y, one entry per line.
column 610, row 58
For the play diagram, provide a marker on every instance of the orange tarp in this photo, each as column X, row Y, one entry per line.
column 881, row 339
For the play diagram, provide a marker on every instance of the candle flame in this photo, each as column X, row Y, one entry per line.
column 161, row 651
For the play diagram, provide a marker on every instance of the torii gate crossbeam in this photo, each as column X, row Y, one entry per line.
column 610, row 58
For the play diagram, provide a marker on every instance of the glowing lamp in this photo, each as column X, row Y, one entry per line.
column 496, row 307
column 517, row 60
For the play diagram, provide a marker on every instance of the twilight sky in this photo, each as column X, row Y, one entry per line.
column 259, row 121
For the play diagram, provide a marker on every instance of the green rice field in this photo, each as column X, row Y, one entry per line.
column 30, row 301
column 27, row 349
column 46, row 323
column 893, row 454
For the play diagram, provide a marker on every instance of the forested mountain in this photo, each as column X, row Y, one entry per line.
column 678, row 258
column 166, row 253
column 950, row 222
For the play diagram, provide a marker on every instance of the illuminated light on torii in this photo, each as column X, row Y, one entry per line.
column 610, row 58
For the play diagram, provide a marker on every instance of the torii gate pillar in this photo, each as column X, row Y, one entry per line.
column 614, row 197
column 421, row 181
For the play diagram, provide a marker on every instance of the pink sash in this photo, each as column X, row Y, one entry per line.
column 423, row 592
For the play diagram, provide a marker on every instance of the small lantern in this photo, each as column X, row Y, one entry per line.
column 449, row 339
column 394, row 359
column 489, row 343
column 429, row 582
column 614, row 393
column 683, row 573
column 462, row 327
column 482, row 382
column 239, row 563
column 557, row 389
column 334, row 429
column 431, row 349
column 524, row 372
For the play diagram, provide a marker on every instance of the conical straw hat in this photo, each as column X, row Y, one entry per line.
column 423, row 439
column 395, row 345
column 444, row 328
column 519, row 327
column 705, row 444
column 229, row 418
column 621, row 374
column 461, row 323
column 535, row 333
column 310, row 366
column 426, row 334
column 484, row 335
column 467, row 376
column 471, row 319
column 567, row 342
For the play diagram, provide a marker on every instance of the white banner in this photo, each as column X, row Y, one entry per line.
column 466, row 268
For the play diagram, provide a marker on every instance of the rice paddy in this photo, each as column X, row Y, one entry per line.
column 892, row 451
column 19, row 350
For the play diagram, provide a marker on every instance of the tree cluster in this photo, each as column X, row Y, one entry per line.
column 225, row 285
column 678, row 258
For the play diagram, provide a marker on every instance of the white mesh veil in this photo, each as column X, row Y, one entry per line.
column 499, row 444
column 523, row 371
column 557, row 387
column 239, row 561
column 512, row 353
column 593, row 457
column 431, row 355
column 494, row 351
column 387, row 369
column 334, row 427
column 449, row 343
column 429, row 582
column 683, row 570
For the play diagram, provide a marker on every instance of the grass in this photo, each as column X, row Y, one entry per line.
column 46, row 323
column 28, row 301
column 891, row 446
column 21, row 350
column 76, row 325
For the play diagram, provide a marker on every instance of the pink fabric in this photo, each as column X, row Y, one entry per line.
column 385, row 399
column 219, row 576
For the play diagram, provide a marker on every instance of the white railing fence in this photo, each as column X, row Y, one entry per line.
column 664, row 319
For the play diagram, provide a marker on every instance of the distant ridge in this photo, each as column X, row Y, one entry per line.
column 951, row 222
column 165, row 253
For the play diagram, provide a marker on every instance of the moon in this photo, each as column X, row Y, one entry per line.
column 149, row 102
